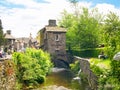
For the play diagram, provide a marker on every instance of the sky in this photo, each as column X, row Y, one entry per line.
column 23, row 17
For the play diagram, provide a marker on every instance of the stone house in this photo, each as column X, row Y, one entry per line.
column 10, row 40
column 53, row 40
column 18, row 44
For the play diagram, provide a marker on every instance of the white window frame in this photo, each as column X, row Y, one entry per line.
column 57, row 36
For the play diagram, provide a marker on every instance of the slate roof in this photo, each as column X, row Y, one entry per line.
column 8, row 36
column 25, row 39
column 55, row 29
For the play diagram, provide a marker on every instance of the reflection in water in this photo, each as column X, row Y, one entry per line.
column 63, row 77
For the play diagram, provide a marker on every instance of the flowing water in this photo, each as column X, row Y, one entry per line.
column 62, row 79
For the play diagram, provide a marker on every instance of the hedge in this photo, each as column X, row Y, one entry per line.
column 87, row 53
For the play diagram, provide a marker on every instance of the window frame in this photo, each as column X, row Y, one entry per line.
column 57, row 37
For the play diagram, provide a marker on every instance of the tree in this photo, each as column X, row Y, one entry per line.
column 68, row 21
column 111, row 32
column 1, row 34
column 83, row 30
column 88, row 30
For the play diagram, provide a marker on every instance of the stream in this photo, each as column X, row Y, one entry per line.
column 62, row 79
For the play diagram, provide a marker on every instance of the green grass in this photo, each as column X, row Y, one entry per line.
column 101, row 63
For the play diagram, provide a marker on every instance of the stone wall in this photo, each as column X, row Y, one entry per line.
column 7, row 75
column 85, row 69
column 56, row 47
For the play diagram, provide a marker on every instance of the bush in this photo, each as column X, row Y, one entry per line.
column 108, row 73
column 115, row 66
column 110, row 52
column 75, row 67
column 32, row 66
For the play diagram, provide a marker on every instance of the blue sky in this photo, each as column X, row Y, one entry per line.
column 29, row 16
column 116, row 3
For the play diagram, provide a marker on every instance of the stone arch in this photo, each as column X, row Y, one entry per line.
column 61, row 63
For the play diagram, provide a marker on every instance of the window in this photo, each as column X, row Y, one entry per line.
column 57, row 49
column 56, row 37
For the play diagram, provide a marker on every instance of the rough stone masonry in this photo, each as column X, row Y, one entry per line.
column 7, row 75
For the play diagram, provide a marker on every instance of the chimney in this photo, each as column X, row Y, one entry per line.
column 52, row 22
column 9, row 32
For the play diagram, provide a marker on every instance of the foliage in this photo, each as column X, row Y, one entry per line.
column 83, row 29
column 88, row 29
column 87, row 53
column 111, row 32
column 115, row 66
column 32, row 66
column 75, row 67
column 68, row 21
column 103, row 69
column 1, row 34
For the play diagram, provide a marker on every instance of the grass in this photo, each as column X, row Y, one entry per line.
column 101, row 63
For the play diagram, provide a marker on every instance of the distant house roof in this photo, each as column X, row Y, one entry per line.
column 26, row 40
column 55, row 29
column 8, row 36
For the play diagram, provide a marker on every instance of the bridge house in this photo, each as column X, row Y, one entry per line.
column 53, row 40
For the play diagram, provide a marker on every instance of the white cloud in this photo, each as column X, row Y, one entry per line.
column 26, row 3
column 23, row 21
column 106, row 8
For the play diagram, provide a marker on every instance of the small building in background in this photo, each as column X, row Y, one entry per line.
column 53, row 40
column 24, row 42
column 10, row 40
column 18, row 44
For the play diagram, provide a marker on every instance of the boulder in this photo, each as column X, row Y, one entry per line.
column 117, row 56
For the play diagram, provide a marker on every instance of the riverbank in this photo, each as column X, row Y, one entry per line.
column 62, row 79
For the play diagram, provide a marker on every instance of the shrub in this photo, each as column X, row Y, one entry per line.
column 32, row 66
column 75, row 67
column 115, row 66
column 108, row 72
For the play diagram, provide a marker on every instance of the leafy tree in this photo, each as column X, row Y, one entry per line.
column 83, row 30
column 68, row 21
column 1, row 34
column 111, row 32
column 88, row 30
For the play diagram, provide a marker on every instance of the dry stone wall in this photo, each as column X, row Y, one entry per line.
column 85, row 69
column 7, row 75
